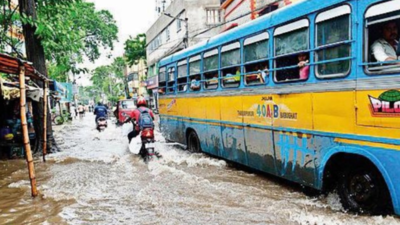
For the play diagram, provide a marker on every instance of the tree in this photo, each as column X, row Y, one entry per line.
column 61, row 32
column 135, row 49
column 118, row 66
column 69, row 32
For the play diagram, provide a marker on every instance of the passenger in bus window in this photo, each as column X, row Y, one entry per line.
column 235, row 77
column 384, row 49
column 303, row 65
column 214, row 79
column 263, row 74
column 195, row 83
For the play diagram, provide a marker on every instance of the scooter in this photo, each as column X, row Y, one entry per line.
column 101, row 124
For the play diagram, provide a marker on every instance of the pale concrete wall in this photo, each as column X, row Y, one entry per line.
column 195, row 11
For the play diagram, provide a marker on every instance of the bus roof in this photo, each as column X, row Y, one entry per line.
column 272, row 19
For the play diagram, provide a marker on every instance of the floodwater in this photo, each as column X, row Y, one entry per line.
column 97, row 180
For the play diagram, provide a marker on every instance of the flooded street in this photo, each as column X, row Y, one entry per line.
column 97, row 180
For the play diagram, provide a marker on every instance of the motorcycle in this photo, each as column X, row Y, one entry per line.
column 147, row 150
column 147, row 143
column 101, row 124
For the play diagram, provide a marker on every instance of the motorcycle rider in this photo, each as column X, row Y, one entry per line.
column 141, row 107
column 100, row 111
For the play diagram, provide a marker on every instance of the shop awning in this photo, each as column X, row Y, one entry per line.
column 10, row 65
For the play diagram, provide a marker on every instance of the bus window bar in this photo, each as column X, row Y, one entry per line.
column 231, row 66
column 315, row 63
column 279, row 69
column 258, row 61
column 333, row 45
column 293, row 54
column 315, row 49
column 379, row 63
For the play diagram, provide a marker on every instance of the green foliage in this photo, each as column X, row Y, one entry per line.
column 135, row 49
column 69, row 31
column 109, row 80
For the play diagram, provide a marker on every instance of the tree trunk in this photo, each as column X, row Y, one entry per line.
column 35, row 54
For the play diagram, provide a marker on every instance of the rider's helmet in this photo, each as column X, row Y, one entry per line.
column 141, row 102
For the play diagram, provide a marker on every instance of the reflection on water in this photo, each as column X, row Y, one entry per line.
column 96, row 180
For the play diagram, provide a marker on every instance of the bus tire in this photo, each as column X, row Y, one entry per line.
column 362, row 189
column 193, row 142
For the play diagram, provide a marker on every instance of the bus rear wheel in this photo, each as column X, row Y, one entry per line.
column 362, row 189
column 193, row 142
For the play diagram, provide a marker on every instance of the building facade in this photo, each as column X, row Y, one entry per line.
column 238, row 12
column 183, row 23
column 136, row 79
column 13, row 32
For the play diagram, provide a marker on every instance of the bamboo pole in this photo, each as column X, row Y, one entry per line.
column 27, row 146
column 46, row 83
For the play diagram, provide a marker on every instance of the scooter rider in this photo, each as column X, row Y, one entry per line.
column 100, row 111
column 141, row 107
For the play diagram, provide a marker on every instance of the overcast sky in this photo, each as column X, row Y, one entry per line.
column 133, row 17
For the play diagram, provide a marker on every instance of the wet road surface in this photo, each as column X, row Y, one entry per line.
column 97, row 180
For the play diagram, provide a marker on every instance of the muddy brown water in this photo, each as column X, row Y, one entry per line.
column 97, row 180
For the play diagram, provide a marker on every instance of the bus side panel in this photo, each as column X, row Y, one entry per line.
column 213, row 139
column 260, row 151
column 257, row 110
column 295, row 157
column 294, row 151
column 234, row 148
column 334, row 112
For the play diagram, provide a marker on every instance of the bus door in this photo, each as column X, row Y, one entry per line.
column 257, row 113
column 232, row 132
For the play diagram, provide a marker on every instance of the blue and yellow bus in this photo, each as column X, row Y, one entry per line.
column 299, row 93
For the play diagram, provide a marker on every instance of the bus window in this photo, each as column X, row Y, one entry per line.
column 194, row 73
column 291, row 52
column 162, row 84
column 382, row 36
column 182, row 76
column 332, row 38
column 230, row 64
column 256, row 73
column 255, row 53
column 210, row 68
column 171, row 80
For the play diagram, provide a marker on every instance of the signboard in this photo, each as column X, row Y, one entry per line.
column 152, row 82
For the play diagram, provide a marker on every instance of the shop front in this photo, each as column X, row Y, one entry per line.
column 152, row 86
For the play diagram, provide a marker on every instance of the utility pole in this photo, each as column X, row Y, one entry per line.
column 186, row 38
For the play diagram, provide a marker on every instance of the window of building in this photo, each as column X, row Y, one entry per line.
column 194, row 73
column 178, row 23
column 167, row 33
column 333, row 42
column 230, row 65
column 292, row 52
column 213, row 16
column 382, row 51
column 171, row 80
column 182, row 76
column 256, row 59
column 162, row 80
column 210, row 68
